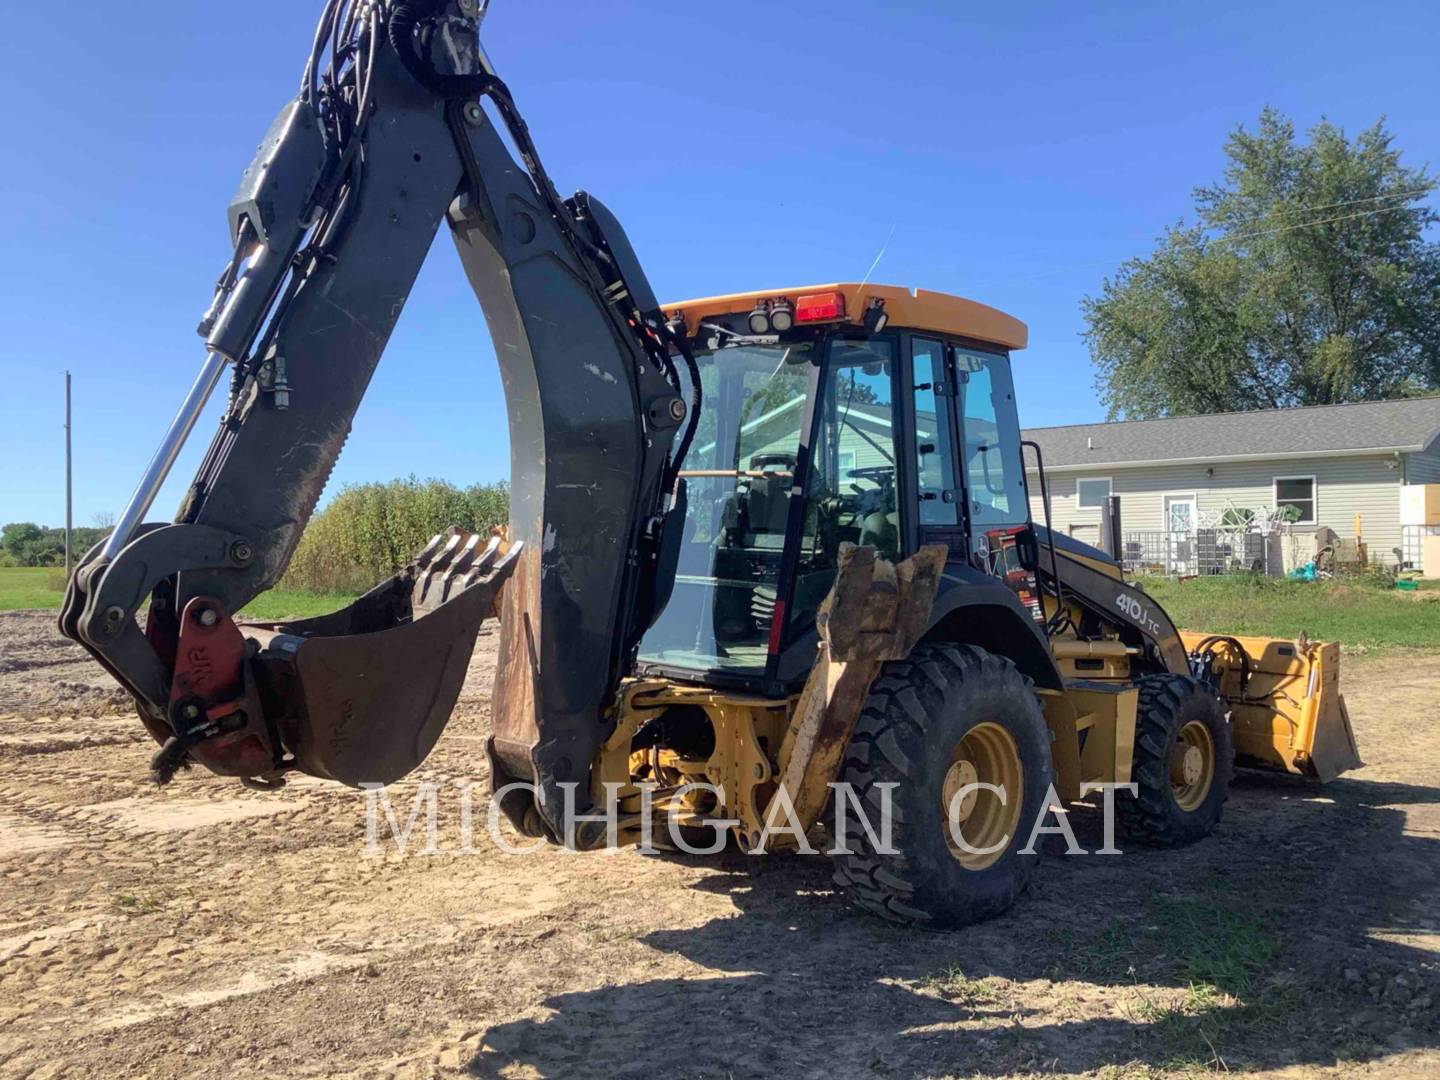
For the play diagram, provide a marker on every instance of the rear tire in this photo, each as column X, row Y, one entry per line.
column 1184, row 760
column 945, row 716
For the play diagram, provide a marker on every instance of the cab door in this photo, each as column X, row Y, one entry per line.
column 992, row 472
column 934, row 432
column 969, row 488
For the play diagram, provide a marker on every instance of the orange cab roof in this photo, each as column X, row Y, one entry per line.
column 915, row 309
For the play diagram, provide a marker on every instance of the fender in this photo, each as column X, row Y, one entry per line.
column 972, row 608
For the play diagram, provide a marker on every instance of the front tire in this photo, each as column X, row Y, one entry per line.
column 947, row 716
column 1184, row 760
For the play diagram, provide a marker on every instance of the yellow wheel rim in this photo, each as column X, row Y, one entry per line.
column 986, row 755
column 1192, row 765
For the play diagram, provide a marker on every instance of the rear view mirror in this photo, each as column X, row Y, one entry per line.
column 1027, row 549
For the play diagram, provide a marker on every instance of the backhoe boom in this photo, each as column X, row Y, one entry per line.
column 332, row 223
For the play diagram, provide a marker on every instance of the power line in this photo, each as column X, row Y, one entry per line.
column 1352, row 202
column 1223, row 239
column 1304, row 225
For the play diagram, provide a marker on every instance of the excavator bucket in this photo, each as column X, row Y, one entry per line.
column 1287, row 712
column 359, row 696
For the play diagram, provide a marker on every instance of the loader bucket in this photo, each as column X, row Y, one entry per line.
column 1287, row 712
column 360, row 696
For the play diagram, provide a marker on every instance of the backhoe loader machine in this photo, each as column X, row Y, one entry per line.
column 768, row 551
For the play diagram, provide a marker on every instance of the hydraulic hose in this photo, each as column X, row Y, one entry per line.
column 403, row 23
column 677, row 459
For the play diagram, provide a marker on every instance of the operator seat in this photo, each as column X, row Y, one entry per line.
column 767, row 505
column 882, row 532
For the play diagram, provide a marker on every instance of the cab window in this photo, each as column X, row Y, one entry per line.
column 934, row 454
column 994, row 473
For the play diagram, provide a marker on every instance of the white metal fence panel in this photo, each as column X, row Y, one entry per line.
column 1412, row 546
column 1203, row 552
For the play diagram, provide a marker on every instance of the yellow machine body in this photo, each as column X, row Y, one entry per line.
column 1285, row 706
column 1290, row 717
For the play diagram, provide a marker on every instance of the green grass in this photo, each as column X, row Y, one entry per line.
column 44, row 587
column 953, row 983
column 294, row 604
column 30, row 587
column 1354, row 613
column 1358, row 612
column 1221, row 947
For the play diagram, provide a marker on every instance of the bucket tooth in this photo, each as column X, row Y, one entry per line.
column 428, row 583
column 465, row 560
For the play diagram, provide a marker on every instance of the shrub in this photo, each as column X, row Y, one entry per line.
column 23, row 543
column 369, row 531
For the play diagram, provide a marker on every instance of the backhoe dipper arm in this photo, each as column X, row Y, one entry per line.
column 332, row 222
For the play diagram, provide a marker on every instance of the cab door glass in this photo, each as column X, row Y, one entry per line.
column 934, row 454
column 850, row 489
column 995, row 479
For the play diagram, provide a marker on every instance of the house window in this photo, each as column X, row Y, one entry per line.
column 1091, row 494
column 847, row 463
column 1297, row 492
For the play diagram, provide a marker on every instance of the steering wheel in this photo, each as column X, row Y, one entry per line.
column 881, row 476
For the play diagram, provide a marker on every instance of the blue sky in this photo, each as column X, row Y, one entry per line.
column 1019, row 152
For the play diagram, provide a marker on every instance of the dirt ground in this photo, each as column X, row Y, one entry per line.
column 204, row 930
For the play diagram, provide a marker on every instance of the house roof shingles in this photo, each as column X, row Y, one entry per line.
column 1411, row 424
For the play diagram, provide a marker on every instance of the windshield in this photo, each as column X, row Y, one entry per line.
column 739, row 476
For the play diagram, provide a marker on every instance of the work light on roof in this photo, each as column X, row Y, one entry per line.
column 875, row 317
column 782, row 315
column 760, row 318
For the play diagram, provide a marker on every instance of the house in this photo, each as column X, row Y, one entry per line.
column 1331, row 465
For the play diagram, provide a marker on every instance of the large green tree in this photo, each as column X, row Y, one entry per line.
column 1308, row 280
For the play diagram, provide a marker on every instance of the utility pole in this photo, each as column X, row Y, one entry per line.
column 69, row 502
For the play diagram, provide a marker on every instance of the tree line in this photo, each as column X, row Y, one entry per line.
column 23, row 543
column 365, row 533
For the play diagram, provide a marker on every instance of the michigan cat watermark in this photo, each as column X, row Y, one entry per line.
column 872, row 815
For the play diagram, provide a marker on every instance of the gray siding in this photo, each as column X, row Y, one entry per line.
column 1423, row 468
column 1344, row 487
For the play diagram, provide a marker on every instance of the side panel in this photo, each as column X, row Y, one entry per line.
column 1096, row 585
